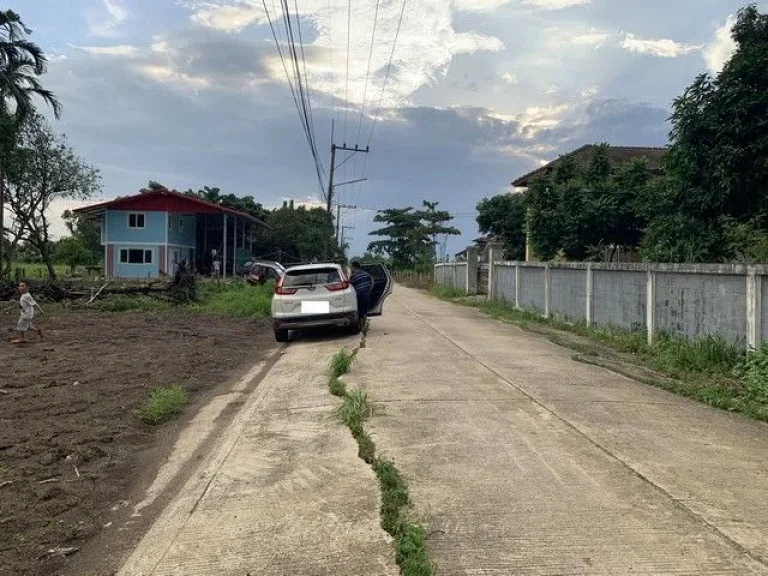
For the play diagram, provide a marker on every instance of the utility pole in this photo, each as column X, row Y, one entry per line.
column 338, row 216
column 331, row 185
column 343, row 229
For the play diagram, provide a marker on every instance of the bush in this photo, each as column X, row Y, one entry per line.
column 127, row 303
column 753, row 371
column 447, row 292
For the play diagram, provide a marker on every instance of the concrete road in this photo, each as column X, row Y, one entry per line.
column 283, row 492
column 522, row 461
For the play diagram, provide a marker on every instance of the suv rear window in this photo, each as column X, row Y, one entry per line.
column 315, row 277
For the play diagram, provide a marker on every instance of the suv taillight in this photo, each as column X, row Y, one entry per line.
column 343, row 285
column 280, row 291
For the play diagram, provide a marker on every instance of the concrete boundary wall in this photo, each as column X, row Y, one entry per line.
column 686, row 300
column 455, row 274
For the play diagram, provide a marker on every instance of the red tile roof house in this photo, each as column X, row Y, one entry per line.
column 147, row 235
column 617, row 156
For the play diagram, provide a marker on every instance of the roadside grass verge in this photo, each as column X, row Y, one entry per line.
column 163, row 404
column 447, row 292
column 410, row 538
column 235, row 299
column 709, row 370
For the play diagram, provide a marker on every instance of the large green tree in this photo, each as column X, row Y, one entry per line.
column 581, row 210
column 716, row 188
column 409, row 236
column 504, row 216
column 43, row 168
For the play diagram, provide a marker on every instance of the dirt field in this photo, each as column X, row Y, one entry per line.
column 69, row 438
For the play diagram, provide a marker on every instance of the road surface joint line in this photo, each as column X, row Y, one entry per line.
column 593, row 442
column 273, row 360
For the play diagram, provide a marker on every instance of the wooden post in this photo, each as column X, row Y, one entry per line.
column 234, row 246
column 224, row 245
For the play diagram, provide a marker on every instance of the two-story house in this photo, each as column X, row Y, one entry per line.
column 147, row 235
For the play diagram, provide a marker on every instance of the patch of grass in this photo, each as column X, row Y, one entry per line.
column 447, row 292
column 236, row 299
column 355, row 409
column 129, row 303
column 341, row 362
column 710, row 354
column 411, row 551
column 163, row 404
column 338, row 388
column 394, row 495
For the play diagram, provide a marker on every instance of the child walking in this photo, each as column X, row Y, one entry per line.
column 27, row 305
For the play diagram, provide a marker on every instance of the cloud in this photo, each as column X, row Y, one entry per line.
column 722, row 47
column 559, row 37
column 662, row 48
column 426, row 45
column 124, row 50
column 509, row 78
column 481, row 6
column 229, row 18
column 116, row 14
column 555, row 4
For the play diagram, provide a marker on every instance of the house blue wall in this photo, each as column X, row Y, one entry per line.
column 152, row 233
column 123, row 270
column 188, row 236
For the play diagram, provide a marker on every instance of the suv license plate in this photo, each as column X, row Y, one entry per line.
column 315, row 307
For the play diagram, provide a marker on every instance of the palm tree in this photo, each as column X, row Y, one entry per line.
column 21, row 63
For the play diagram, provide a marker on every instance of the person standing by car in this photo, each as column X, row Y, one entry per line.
column 362, row 282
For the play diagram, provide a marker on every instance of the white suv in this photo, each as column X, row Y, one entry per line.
column 318, row 295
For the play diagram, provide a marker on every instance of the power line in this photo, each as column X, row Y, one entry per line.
column 384, row 84
column 346, row 92
column 302, row 101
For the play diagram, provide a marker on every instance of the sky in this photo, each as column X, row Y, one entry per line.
column 474, row 93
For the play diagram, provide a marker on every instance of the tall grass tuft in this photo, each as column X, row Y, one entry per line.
column 163, row 404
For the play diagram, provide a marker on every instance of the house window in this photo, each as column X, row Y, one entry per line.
column 181, row 223
column 170, row 222
column 135, row 256
column 135, row 220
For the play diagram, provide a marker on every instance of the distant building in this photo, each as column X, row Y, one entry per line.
column 149, row 234
column 617, row 156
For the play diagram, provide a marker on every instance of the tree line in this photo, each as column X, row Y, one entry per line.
column 710, row 204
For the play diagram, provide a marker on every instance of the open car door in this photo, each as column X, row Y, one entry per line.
column 382, row 286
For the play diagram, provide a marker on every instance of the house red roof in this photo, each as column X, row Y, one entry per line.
column 617, row 155
column 163, row 200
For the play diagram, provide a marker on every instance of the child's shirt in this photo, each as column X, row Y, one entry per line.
column 27, row 305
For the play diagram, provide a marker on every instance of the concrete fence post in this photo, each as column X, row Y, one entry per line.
column 518, row 281
column 547, row 290
column 754, row 309
column 493, row 254
column 589, row 295
column 650, row 304
column 472, row 270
